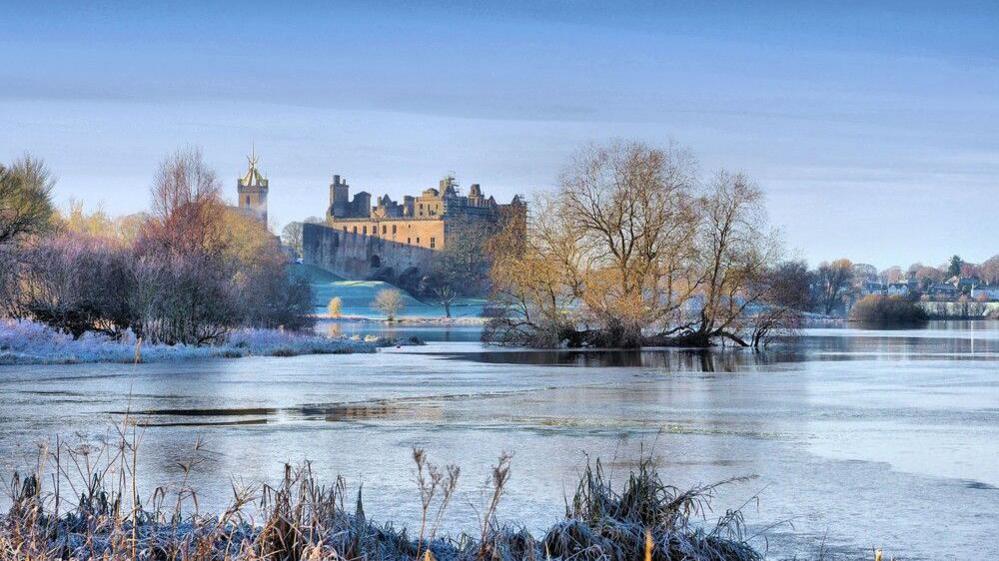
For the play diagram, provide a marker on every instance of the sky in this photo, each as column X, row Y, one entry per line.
column 873, row 128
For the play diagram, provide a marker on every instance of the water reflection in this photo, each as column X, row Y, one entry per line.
column 672, row 360
column 815, row 345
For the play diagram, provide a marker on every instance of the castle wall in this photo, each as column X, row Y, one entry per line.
column 360, row 256
column 427, row 234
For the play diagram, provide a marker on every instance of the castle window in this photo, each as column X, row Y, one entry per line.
column 384, row 229
column 393, row 229
column 417, row 240
column 247, row 200
column 344, row 229
column 364, row 230
column 355, row 229
column 433, row 243
column 409, row 240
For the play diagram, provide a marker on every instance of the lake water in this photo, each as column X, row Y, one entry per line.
column 857, row 438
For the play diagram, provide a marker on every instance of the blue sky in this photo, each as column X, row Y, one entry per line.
column 873, row 129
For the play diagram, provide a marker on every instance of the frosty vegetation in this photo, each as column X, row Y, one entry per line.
column 192, row 272
column 28, row 342
column 82, row 503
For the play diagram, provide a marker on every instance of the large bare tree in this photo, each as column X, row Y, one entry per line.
column 632, row 206
column 187, row 205
column 735, row 249
column 630, row 250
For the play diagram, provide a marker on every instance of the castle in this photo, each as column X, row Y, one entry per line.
column 388, row 240
column 395, row 240
column 420, row 221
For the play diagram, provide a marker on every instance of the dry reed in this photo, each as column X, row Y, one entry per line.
column 300, row 519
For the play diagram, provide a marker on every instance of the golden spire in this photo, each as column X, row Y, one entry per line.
column 253, row 177
column 252, row 158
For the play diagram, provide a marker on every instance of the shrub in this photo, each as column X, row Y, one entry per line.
column 335, row 307
column 76, row 283
column 389, row 302
column 891, row 310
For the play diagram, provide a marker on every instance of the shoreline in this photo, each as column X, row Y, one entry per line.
column 405, row 321
column 30, row 343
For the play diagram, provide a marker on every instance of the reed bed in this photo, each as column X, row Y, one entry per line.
column 82, row 503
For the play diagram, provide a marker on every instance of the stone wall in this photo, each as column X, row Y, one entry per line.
column 359, row 256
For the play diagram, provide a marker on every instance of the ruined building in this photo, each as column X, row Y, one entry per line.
column 390, row 238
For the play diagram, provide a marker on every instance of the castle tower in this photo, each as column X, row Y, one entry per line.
column 339, row 198
column 252, row 190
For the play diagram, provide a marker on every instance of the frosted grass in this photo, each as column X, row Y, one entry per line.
column 27, row 342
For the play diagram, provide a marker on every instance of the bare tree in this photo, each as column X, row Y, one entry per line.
column 182, row 180
column 990, row 270
column 925, row 275
column 187, row 205
column 624, row 250
column 735, row 251
column 786, row 291
column 834, row 281
column 632, row 207
column 537, row 279
column 461, row 268
column 389, row 301
column 891, row 275
column 291, row 236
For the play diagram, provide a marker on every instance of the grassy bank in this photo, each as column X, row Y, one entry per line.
column 83, row 504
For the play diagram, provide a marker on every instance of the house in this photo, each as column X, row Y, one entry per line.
column 942, row 291
column 985, row 292
column 871, row 287
column 964, row 285
column 898, row 289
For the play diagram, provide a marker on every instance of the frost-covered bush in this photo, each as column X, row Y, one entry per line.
column 28, row 342
column 77, row 283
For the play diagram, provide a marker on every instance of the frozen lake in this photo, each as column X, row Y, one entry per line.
column 858, row 438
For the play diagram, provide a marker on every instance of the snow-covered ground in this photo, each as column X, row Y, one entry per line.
column 26, row 342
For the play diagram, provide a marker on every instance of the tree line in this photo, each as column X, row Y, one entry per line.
column 838, row 283
column 633, row 247
column 188, row 271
